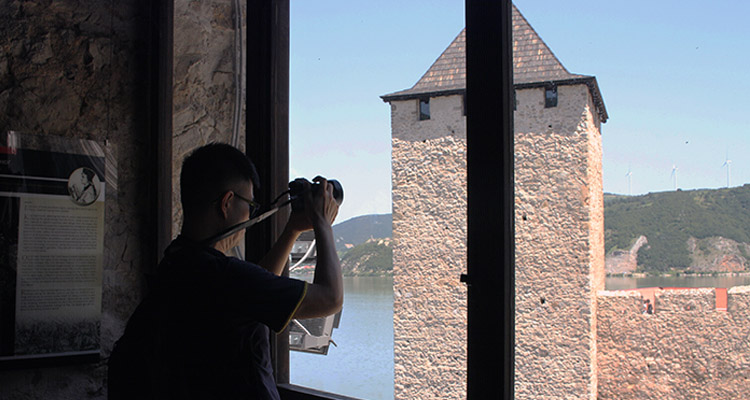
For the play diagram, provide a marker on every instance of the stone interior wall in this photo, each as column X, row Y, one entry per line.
column 559, row 229
column 685, row 350
column 558, row 208
column 204, row 82
column 77, row 69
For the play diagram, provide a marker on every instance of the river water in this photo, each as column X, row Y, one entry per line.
column 362, row 364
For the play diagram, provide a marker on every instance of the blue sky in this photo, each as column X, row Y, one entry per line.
column 671, row 74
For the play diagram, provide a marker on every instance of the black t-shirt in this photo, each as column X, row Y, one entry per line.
column 208, row 317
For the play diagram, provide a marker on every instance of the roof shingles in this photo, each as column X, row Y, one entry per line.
column 533, row 62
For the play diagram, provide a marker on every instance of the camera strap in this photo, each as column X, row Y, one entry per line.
column 243, row 225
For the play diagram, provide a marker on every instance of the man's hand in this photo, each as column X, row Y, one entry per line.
column 318, row 213
column 320, row 207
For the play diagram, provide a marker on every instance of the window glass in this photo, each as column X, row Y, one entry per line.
column 676, row 128
column 671, row 188
column 343, row 57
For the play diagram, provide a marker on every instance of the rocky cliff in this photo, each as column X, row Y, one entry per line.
column 712, row 254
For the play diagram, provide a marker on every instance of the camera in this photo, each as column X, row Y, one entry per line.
column 297, row 188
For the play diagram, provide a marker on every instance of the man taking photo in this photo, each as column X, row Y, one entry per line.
column 202, row 332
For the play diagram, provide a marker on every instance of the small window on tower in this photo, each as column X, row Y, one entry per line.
column 424, row 109
column 550, row 97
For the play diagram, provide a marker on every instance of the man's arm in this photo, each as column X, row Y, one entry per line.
column 275, row 260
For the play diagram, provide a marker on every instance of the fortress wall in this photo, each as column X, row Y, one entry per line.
column 446, row 119
column 558, row 209
column 685, row 350
column 429, row 254
column 429, row 249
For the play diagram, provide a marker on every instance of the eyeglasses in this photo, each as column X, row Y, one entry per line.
column 254, row 207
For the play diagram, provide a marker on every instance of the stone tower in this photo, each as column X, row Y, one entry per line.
column 559, row 225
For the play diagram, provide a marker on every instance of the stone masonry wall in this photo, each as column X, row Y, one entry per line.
column 429, row 250
column 429, row 302
column 204, row 86
column 446, row 119
column 685, row 350
column 559, row 209
column 77, row 69
column 591, row 125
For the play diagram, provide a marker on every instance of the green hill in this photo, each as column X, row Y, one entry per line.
column 670, row 219
column 372, row 258
column 358, row 230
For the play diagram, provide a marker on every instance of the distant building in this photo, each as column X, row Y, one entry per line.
column 559, row 225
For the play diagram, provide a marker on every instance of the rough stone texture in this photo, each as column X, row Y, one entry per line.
column 429, row 235
column 559, row 243
column 76, row 69
column 204, row 83
column 559, row 232
column 623, row 262
column 685, row 350
column 429, row 249
column 446, row 119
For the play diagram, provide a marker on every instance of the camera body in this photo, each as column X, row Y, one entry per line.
column 297, row 188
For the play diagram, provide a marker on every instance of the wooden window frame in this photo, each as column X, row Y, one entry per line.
column 490, row 198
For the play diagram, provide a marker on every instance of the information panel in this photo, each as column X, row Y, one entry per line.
column 52, row 194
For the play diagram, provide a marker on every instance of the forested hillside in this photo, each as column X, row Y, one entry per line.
column 364, row 244
column 670, row 219
column 372, row 258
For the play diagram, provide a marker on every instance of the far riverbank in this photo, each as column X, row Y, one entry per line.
column 726, row 280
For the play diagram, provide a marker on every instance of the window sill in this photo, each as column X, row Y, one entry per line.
column 294, row 392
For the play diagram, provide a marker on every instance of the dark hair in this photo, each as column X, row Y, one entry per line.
column 210, row 170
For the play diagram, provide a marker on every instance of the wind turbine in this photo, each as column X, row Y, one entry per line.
column 728, row 164
column 630, row 178
column 674, row 176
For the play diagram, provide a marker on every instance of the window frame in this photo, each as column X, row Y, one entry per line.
column 489, row 113
column 490, row 200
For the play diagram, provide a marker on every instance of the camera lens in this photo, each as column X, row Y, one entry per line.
column 296, row 189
